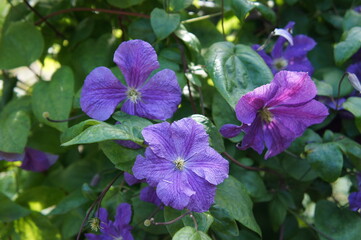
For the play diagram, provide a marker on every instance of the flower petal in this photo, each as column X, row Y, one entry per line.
column 160, row 97
column 203, row 198
column 277, row 51
column 253, row 137
column 130, row 179
column 11, row 157
column 37, row 161
column 210, row 165
column 103, row 216
column 355, row 201
column 302, row 45
column 300, row 65
column 152, row 168
column 230, row 130
column 149, row 194
column 123, row 214
column 158, row 136
column 292, row 88
column 189, row 137
column 175, row 190
column 136, row 59
column 267, row 59
column 249, row 104
column 91, row 236
column 101, row 94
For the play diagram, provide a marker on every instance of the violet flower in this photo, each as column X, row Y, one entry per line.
column 157, row 98
column 181, row 165
column 32, row 159
column 275, row 114
column 119, row 229
column 354, row 198
column 292, row 57
column 355, row 68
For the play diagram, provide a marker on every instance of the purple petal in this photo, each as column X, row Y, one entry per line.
column 149, row 194
column 203, row 198
column 136, row 59
column 253, row 137
column 302, row 45
column 174, row 190
column 158, row 136
column 300, row 65
column 210, row 165
column 152, row 168
column 355, row 201
column 37, row 161
column 355, row 69
column 101, row 94
column 103, row 216
column 130, row 179
column 127, row 235
column 128, row 144
column 160, row 97
column 292, row 88
column 189, row 137
column 230, row 130
column 249, row 104
column 123, row 215
column 11, row 157
column 267, row 59
column 91, row 236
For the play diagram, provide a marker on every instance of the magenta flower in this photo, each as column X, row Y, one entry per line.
column 119, row 229
column 290, row 57
column 354, row 198
column 157, row 98
column 32, row 159
column 181, row 165
column 275, row 114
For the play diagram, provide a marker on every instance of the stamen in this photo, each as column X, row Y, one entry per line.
column 280, row 63
column 133, row 95
column 266, row 115
column 179, row 163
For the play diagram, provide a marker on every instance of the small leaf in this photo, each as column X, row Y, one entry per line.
column 349, row 46
column 190, row 40
column 10, row 211
column 184, row 233
column 163, row 23
column 199, row 235
column 353, row 104
column 177, row 5
column 204, row 220
column 223, row 222
column 351, row 19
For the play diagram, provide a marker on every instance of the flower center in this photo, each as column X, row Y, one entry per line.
column 266, row 115
column 280, row 63
column 133, row 95
column 179, row 163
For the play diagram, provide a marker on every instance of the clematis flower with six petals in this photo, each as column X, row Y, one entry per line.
column 119, row 229
column 275, row 114
column 157, row 98
column 181, row 165
column 292, row 57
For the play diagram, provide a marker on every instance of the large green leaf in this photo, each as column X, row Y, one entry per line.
column 350, row 45
column 326, row 159
column 223, row 222
column 14, row 132
column 54, row 97
column 236, row 70
column 232, row 196
column 351, row 19
column 191, row 234
column 337, row 223
column 163, row 23
column 20, row 45
column 243, row 7
column 10, row 211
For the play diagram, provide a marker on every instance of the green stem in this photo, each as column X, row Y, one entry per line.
column 196, row 19
column 339, row 89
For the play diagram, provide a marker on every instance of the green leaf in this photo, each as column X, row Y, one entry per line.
column 215, row 138
column 349, row 46
column 177, row 5
column 20, row 45
column 323, row 88
column 332, row 77
column 326, row 159
column 277, row 212
column 351, row 149
column 223, row 222
column 242, row 8
column 122, row 158
column 232, row 196
column 353, row 104
column 170, row 214
column 70, row 202
column 200, row 236
column 141, row 29
column 184, row 233
column 10, row 211
column 124, row 3
column 340, row 224
column 204, row 220
column 351, row 19
column 36, row 226
column 163, row 23
column 236, row 70
column 190, row 40
column 77, row 129
column 14, row 131
column 54, row 97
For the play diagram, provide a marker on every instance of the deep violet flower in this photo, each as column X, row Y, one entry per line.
column 275, row 114
column 157, row 98
column 292, row 57
column 355, row 68
column 181, row 165
column 354, row 198
column 32, row 159
column 119, row 229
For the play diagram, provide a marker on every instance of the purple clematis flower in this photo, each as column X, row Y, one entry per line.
column 277, row 113
column 181, row 165
column 292, row 57
column 119, row 229
column 157, row 98
column 355, row 197
column 32, row 159
column 355, row 68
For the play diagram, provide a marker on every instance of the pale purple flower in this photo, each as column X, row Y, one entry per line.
column 157, row 98
column 290, row 57
column 355, row 68
column 181, row 165
column 119, row 229
column 32, row 159
column 354, row 198
column 275, row 114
